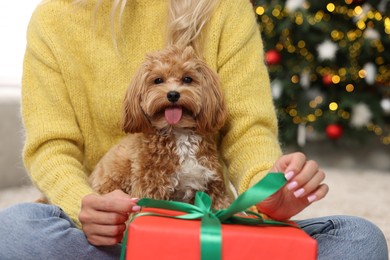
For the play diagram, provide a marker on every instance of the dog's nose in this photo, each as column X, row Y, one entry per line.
column 173, row 96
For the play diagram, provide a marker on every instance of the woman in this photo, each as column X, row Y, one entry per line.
column 79, row 60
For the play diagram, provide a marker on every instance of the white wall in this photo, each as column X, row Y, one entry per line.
column 14, row 18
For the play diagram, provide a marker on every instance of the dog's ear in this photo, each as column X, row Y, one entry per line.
column 213, row 113
column 133, row 118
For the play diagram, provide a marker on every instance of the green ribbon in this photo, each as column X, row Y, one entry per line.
column 211, row 219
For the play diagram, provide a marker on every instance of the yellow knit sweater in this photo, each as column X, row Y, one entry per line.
column 74, row 83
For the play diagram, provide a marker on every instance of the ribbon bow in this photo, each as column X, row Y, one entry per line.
column 211, row 219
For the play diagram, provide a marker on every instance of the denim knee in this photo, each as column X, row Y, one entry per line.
column 346, row 237
column 366, row 235
column 40, row 231
column 22, row 229
column 29, row 211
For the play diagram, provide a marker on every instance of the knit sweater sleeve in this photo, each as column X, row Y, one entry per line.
column 250, row 144
column 53, row 152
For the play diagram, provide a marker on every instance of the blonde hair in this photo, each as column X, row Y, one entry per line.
column 186, row 21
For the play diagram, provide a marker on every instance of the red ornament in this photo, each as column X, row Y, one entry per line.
column 273, row 57
column 334, row 131
column 327, row 79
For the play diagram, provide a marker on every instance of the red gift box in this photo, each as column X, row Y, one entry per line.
column 152, row 237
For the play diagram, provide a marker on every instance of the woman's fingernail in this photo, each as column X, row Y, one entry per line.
column 292, row 185
column 289, row 175
column 136, row 208
column 134, row 199
column 299, row 193
column 312, row 198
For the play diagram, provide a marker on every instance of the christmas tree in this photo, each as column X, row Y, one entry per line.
column 329, row 63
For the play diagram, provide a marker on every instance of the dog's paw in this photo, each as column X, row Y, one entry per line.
column 221, row 203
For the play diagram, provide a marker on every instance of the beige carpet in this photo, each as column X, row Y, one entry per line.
column 361, row 193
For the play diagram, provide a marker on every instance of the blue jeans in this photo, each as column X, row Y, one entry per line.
column 39, row 231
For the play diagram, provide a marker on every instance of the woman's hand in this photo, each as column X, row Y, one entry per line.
column 304, row 187
column 103, row 217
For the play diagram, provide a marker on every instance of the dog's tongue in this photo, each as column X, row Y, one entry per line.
column 173, row 114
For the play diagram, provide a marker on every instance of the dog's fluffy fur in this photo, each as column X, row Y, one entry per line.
column 172, row 110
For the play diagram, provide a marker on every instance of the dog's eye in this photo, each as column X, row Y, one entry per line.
column 187, row 79
column 158, row 81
